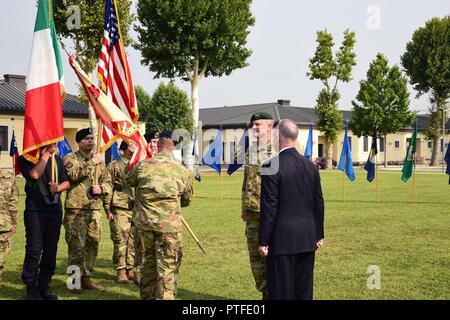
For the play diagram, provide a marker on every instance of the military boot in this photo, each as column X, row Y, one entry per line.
column 1, row 277
column 134, row 275
column 265, row 295
column 88, row 284
column 33, row 293
column 122, row 277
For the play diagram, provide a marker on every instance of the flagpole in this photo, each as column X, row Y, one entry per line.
column 99, row 139
column 53, row 168
column 378, row 179
column 414, row 179
column 221, row 186
column 343, row 179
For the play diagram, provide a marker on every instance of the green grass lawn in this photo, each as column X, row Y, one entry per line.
column 410, row 243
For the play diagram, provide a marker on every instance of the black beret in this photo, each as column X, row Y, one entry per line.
column 260, row 116
column 123, row 145
column 151, row 135
column 83, row 133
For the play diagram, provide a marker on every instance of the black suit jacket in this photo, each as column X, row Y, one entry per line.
column 292, row 209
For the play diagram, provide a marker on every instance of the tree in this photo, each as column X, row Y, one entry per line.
column 193, row 39
column 382, row 101
column 168, row 108
column 427, row 63
column 326, row 68
column 83, row 22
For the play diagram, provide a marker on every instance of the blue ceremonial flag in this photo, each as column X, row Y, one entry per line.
column 64, row 148
column 196, row 155
column 115, row 155
column 346, row 162
column 239, row 154
column 447, row 160
column 309, row 144
column 371, row 161
column 214, row 156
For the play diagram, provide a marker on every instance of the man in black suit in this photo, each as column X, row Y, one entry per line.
column 292, row 215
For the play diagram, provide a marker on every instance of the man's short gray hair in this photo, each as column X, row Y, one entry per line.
column 288, row 129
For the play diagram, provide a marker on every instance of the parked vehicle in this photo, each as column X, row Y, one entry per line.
column 321, row 163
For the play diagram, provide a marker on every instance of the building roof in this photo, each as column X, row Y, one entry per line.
column 12, row 98
column 239, row 116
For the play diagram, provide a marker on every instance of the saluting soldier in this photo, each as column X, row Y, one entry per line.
column 260, row 151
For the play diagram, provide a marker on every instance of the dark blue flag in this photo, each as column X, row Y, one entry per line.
column 64, row 148
column 447, row 160
column 346, row 162
column 214, row 156
column 371, row 161
column 309, row 144
column 239, row 154
column 14, row 153
column 115, row 155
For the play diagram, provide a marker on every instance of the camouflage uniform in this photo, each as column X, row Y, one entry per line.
column 82, row 218
column 162, row 188
column 251, row 191
column 9, row 195
column 122, row 226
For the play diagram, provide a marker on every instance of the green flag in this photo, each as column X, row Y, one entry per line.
column 408, row 165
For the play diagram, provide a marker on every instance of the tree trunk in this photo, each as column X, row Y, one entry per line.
column 329, row 155
column 385, row 151
column 190, row 160
column 434, row 152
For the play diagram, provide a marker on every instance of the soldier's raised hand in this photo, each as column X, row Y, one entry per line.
column 97, row 190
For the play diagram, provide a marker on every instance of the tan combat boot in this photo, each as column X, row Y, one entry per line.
column 88, row 284
column 122, row 277
column 134, row 275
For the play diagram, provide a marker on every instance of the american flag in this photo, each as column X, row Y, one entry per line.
column 114, row 72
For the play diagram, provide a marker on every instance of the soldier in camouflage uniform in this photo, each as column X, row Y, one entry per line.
column 121, row 217
column 259, row 152
column 82, row 218
column 9, row 195
column 162, row 188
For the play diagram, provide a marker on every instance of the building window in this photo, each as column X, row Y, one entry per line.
column 350, row 142
column 397, row 144
column 320, row 150
column 430, row 144
column 366, row 144
column 381, row 144
column 4, row 146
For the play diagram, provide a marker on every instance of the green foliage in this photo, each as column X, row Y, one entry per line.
column 168, row 108
column 427, row 58
column 330, row 119
column 382, row 100
column 88, row 38
column 327, row 68
column 177, row 37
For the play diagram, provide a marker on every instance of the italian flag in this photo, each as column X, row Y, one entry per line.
column 45, row 87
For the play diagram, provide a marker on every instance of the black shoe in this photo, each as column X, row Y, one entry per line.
column 33, row 293
column 44, row 290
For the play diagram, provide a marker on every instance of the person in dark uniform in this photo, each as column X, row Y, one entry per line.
column 292, row 215
column 42, row 218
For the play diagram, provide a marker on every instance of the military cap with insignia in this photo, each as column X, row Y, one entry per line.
column 151, row 135
column 260, row 116
column 82, row 134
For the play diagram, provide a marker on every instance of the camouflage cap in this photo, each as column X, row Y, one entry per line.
column 83, row 133
column 260, row 116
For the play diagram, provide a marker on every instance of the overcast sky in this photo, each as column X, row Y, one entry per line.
column 282, row 41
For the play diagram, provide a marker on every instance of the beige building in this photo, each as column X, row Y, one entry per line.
column 234, row 120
